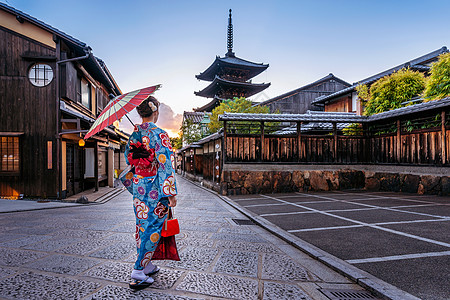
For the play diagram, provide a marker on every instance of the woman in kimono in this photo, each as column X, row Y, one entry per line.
column 153, row 186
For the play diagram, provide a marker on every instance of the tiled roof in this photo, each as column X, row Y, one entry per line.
column 308, row 117
column 417, row 63
column 312, row 126
column 416, row 108
column 196, row 117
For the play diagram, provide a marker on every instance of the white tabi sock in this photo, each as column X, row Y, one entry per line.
column 149, row 268
column 139, row 275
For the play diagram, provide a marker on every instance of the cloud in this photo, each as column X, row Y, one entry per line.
column 168, row 120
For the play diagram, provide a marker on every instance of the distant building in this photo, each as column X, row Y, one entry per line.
column 299, row 101
column 346, row 100
column 230, row 77
column 51, row 90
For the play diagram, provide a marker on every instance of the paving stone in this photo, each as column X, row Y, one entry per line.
column 36, row 286
column 198, row 228
column 280, row 291
column 103, row 225
column 5, row 272
column 244, row 246
column 193, row 242
column 193, row 234
column 64, row 264
column 238, row 237
column 53, row 244
column 84, row 247
column 84, row 234
column 237, row 230
column 194, row 258
column 237, row 263
column 282, row 267
column 117, row 292
column 219, row 286
column 114, row 271
column 116, row 251
column 166, row 278
column 12, row 257
column 10, row 236
column 121, row 237
column 125, row 227
column 25, row 241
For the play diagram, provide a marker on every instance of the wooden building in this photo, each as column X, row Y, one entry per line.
column 230, row 77
column 51, row 90
column 299, row 101
column 346, row 100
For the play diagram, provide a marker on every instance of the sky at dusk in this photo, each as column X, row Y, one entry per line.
column 147, row 42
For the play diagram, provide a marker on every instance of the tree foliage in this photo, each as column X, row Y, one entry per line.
column 353, row 129
column 190, row 132
column 237, row 105
column 176, row 142
column 391, row 91
column 438, row 84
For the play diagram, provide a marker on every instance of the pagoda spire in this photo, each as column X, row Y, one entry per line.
column 230, row 52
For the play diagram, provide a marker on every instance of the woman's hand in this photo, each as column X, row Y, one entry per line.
column 172, row 201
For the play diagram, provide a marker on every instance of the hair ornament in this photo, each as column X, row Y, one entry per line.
column 152, row 106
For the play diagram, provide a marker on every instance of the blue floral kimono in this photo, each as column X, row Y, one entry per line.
column 152, row 181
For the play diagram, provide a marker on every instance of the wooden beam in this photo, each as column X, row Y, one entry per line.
column 262, row 142
column 399, row 142
column 299, row 141
column 335, row 136
column 224, row 143
column 96, row 165
column 443, row 138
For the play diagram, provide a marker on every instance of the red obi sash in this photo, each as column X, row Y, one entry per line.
column 143, row 158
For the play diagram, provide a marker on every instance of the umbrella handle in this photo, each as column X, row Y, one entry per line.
column 129, row 120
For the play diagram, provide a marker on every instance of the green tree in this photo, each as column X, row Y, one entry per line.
column 177, row 142
column 237, row 105
column 438, row 84
column 391, row 91
column 190, row 132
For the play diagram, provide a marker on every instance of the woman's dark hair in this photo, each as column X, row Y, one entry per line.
column 147, row 107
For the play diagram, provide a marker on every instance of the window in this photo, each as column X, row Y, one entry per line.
column 84, row 92
column 40, row 74
column 9, row 151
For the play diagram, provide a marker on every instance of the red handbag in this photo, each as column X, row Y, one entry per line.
column 170, row 226
column 166, row 249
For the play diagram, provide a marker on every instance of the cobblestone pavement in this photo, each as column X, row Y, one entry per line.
column 87, row 252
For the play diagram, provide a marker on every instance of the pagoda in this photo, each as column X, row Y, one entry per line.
column 230, row 77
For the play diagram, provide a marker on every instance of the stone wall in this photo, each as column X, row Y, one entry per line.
column 236, row 182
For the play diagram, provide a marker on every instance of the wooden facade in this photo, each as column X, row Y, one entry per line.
column 42, row 119
column 300, row 100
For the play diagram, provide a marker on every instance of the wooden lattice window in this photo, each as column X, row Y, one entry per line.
column 9, row 153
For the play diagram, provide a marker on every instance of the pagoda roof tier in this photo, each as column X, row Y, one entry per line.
column 232, row 62
column 210, row 105
column 247, row 89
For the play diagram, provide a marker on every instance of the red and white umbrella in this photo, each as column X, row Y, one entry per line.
column 118, row 107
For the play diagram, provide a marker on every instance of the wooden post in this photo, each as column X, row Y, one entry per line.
column 110, row 167
column 443, row 138
column 335, row 142
column 224, row 143
column 96, row 164
column 399, row 142
column 262, row 142
column 299, row 140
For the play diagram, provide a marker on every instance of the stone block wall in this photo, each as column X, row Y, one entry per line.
column 240, row 182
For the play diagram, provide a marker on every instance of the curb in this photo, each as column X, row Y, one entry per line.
column 103, row 199
column 371, row 283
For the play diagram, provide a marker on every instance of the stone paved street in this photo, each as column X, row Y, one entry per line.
column 87, row 252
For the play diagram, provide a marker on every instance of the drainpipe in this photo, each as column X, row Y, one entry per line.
column 58, row 110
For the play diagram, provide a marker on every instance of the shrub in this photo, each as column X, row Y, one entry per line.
column 391, row 91
column 438, row 85
column 353, row 129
